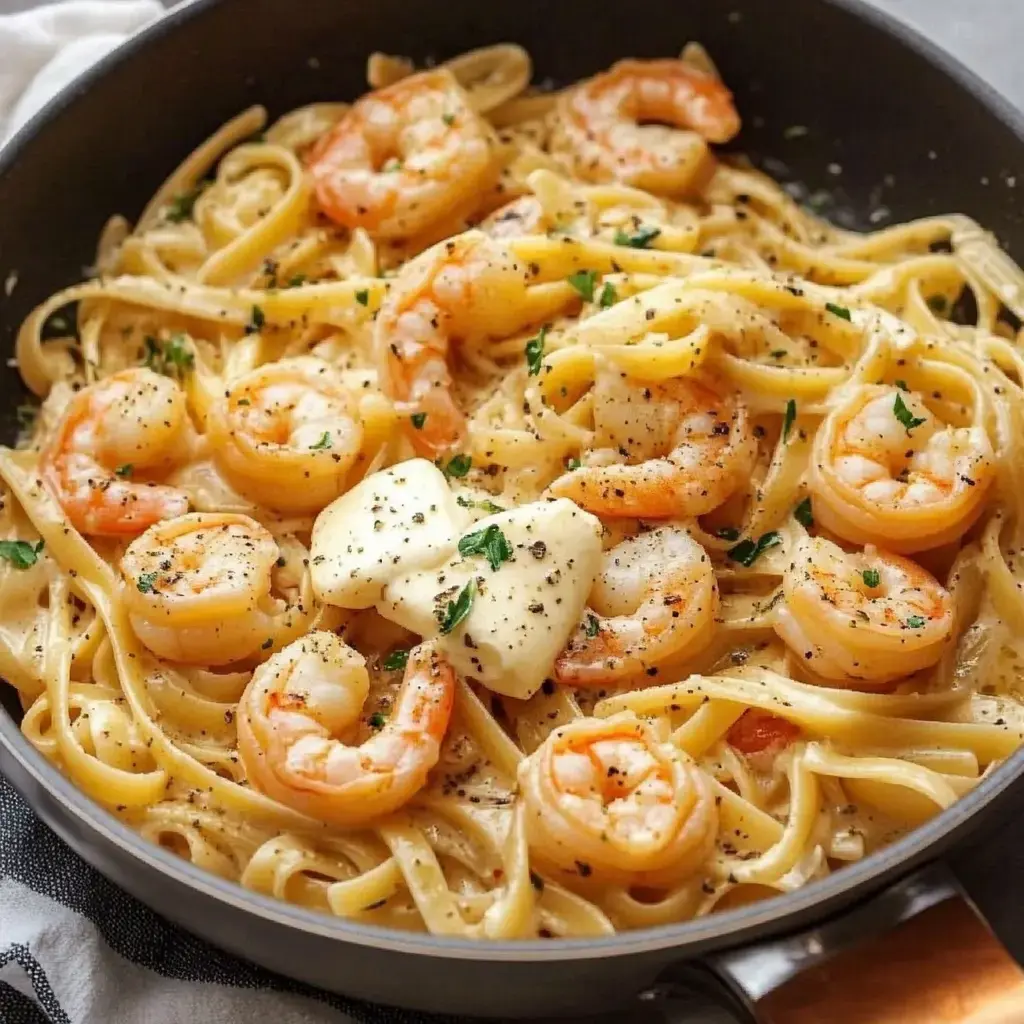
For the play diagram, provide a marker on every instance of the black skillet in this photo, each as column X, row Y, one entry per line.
column 911, row 130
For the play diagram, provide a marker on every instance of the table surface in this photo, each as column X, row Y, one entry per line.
column 985, row 35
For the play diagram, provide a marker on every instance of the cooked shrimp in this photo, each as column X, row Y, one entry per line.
column 605, row 799
column 467, row 286
column 112, row 433
column 692, row 446
column 658, row 594
column 300, row 701
column 405, row 157
column 522, row 216
column 874, row 480
column 605, row 124
column 871, row 616
column 197, row 588
column 761, row 736
column 287, row 434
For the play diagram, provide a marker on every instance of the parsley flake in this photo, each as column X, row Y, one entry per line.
column 871, row 578
column 803, row 514
column 840, row 311
column 458, row 467
column 418, row 419
column 449, row 119
column 573, row 463
column 490, row 542
column 747, row 552
column 904, row 415
column 395, row 660
column 609, row 296
column 787, row 422
column 640, row 239
column 584, row 281
column 363, row 296
column 257, row 318
column 901, row 384
column 297, row 281
column 126, row 470
column 535, row 352
column 323, row 443
column 181, row 206
column 728, row 533
column 915, row 621
column 20, row 553
column 458, row 609
column 376, row 720
column 592, row 626
column 172, row 358
column 146, row 582
column 486, row 504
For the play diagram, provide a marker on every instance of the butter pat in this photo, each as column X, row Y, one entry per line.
column 397, row 521
column 523, row 612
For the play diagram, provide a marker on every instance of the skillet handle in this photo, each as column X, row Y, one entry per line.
column 919, row 953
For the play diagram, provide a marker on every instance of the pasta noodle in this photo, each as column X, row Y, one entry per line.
column 489, row 511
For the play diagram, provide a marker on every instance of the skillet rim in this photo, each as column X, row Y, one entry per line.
column 733, row 927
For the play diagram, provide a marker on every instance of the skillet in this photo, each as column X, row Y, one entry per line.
column 910, row 131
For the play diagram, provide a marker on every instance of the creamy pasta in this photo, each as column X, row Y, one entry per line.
column 493, row 512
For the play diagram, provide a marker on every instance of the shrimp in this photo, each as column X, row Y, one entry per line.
column 605, row 799
column 874, row 479
column 405, row 157
column 298, row 703
column 761, row 736
column 871, row 616
column 132, row 421
column 469, row 286
column 522, row 216
column 706, row 434
column 197, row 588
column 287, row 434
column 605, row 124
column 660, row 593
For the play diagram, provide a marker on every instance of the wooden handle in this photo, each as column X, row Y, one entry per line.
column 943, row 966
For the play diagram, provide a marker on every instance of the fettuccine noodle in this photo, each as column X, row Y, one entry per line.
column 492, row 512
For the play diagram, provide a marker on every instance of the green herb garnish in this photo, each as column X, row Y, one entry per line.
column 535, row 352
column 395, row 660
column 297, row 281
column 377, row 720
column 747, row 552
column 871, row 578
column 609, row 296
column 904, row 415
column 172, row 358
column 640, row 239
column 573, row 463
column 181, row 206
column 146, row 582
column 126, row 470
column 20, row 553
column 901, row 384
column 458, row 467
column 418, row 419
column 803, row 514
column 584, row 281
column 728, row 533
column 458, row 609
column 257, row 319
column 323, row 443
column 449, row 119
column 490, row 542
column 915, row 621
column 840, row 311
column 790, row 416
column 592, row 626
column 363, row 296
column 486, row 504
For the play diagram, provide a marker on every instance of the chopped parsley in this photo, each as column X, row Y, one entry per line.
column 126, row 470
column 728, row 533
column 20, row 553
column 915, row 621
column 747, row 552
column 458, row 609
column 573, row 463
column 840, row 311
column 871, row 578
column 592, row 626
column 181, row 206
column 297, row 281
column 640, row 239
column 535, row 352
column 395, row 660
column 490, row 542
column 449, row 119
column 377, row 720
column 803, row 514
column 901, row 384
column 486, row 504
column 790, row 416
column 363, row 296
column 172, row 358
column 257, row 319
column 458, row 467
column 26, row 415
column 146, row 582
column 904, row 415
column 323, row 443
column 609, row 296
column 418, row 419
column 584, row 282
